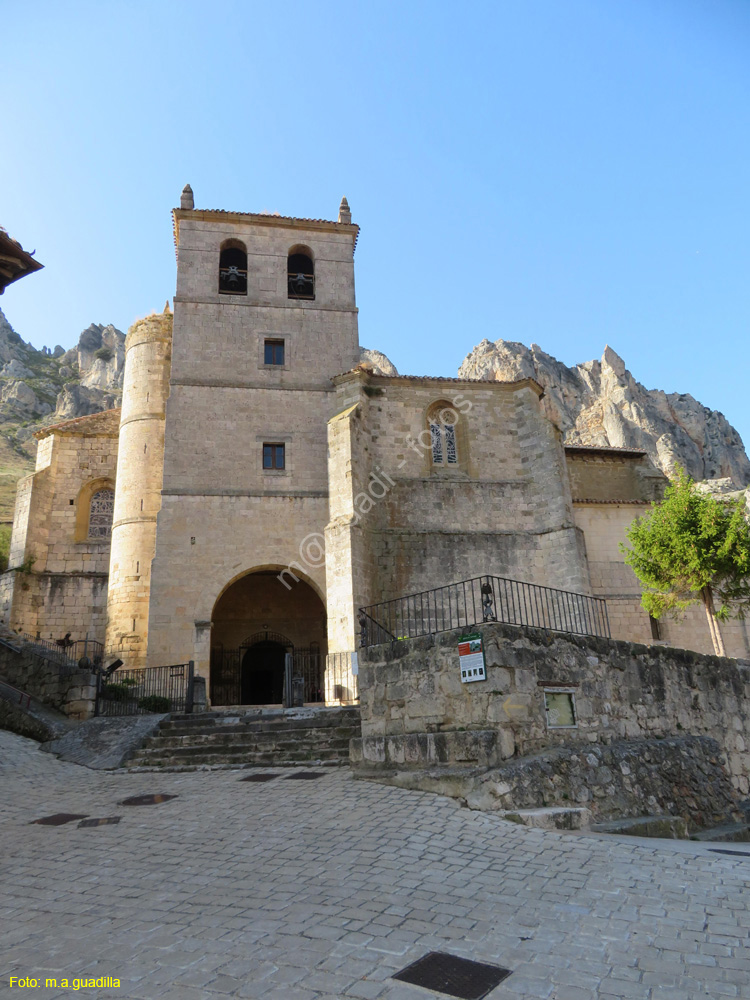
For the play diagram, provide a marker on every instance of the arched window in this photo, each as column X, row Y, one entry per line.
column 442, row 418
column 300, row 272
column 233, row 268
column 101, row 509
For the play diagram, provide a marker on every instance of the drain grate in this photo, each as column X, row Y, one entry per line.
column 456, row 977
column 146, row 800
column 259, row 777
column 723, row 850
column 107, row 821
column 303, row 776
column 58, row 819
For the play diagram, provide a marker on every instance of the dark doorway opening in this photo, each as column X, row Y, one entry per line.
column 263, row 674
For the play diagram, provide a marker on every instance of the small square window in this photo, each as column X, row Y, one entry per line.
column 273, row 353
column 560, row 708
column 273, row 456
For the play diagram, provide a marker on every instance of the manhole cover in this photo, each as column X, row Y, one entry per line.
column 58, row 819
column 715, row 850
column 259, row 777
column 456, row 977
column 107, row 821
column 146, row 800
column 303, row 776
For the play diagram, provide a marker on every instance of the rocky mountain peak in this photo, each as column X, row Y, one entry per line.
column 600, row 403
column 612, row 360
column 42, row 387
column 376, row 360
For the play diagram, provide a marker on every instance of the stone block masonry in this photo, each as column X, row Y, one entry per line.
column 411, row 692
column 684, row 776
column 73, row 693
column 57, row 579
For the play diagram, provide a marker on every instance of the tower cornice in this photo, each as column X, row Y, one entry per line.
column 180, row 215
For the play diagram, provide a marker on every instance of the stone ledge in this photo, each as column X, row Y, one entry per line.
column 471, row 748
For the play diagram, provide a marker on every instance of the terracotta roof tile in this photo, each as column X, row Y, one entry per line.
column 262, row 215
column 108, row 419
column 641, row 503
column 439, row 378
column 607, row 449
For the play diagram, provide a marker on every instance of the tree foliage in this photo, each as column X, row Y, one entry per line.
column 692, row 547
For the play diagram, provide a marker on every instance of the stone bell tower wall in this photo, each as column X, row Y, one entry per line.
column 223, row 515
column 139, row 482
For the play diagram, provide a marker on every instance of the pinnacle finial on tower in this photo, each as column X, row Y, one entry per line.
column 166, row 307
column 345, row 214
column 186, row 199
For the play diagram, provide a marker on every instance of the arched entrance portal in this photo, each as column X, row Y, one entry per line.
column 268, row 643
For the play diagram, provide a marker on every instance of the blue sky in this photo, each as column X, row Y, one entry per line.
column 566, row 172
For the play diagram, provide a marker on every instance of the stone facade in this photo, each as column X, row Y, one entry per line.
column 270, row 482
column 417, row 712
column 223, row 515
column 59, row 563
column 71, row 691
column 400, row 524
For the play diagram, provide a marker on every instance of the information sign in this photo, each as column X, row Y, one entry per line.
column 471, row 658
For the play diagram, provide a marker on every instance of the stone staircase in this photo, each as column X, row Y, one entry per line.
column 251, row 738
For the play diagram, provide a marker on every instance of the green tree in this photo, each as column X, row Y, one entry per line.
column 691, row 547
column 5, row 533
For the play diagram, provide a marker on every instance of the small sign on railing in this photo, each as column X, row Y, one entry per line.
column 471, row 658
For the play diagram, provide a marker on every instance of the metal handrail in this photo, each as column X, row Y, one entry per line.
column 483, row 599
column 67, row 656
column 23, row 694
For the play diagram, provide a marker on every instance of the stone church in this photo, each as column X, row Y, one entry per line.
column 260, row 483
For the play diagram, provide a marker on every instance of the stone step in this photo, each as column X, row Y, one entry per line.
column 285, row 765
column 261, row 738
column 157, row 746
column 179, row 739
column 211, row 721
column 551, row 818
column 729, row 832
column 216, row 731
column 255, row 759
column 666, row 827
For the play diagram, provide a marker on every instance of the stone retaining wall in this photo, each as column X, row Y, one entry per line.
column 684, row 777
column 72, row 693
column 417, row 713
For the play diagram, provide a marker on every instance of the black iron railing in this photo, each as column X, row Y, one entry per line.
column 66, row 654
column 483, row 599
column 146, row 689
column 341, row 679
column 14, row 695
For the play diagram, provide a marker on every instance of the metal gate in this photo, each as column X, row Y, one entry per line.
column 142, row 690
column 229, row 676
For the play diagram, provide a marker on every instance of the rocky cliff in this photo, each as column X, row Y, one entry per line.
column 42, row 387
column 377, row 361
column 600, row 403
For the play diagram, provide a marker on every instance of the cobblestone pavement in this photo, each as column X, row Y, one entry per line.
column 305, row 890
